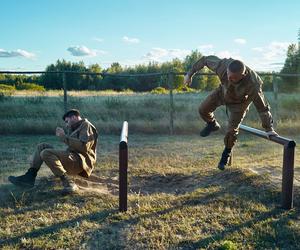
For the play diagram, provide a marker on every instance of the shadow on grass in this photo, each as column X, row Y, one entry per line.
column 234, row 182
column 44, row 196
column 237, row 183
column 98, row 216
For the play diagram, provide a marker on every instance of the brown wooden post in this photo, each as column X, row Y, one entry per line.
column 288, row 176
column 170, row 85
column 287, row 166
column 65, row 92
column 123, row 166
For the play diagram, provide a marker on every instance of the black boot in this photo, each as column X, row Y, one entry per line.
column 225, row 158
column 70, row 186
column 26, row 180
column 210, row 127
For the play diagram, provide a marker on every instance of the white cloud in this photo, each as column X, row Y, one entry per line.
column 240, row 41
column 229, row 54
column 97, row 39
column 178, row 53
column 160, row 54
column 128, row 40
column 16, row 53
column 84, row 51
column 275, row 50
column 206, row 48
column 270, row 57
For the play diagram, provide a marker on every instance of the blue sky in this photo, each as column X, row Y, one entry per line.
column 35, row 33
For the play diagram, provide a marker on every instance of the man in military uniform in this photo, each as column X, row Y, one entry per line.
column 240, row 86
column 78, row 159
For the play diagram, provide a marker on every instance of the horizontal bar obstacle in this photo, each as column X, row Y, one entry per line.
column 287, row 166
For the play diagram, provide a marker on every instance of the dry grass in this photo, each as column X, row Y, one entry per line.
column 34, row 113
column 178, row 199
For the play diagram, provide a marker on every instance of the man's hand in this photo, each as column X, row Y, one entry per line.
column 187, row 80
column 271, row 132
column 59, row 132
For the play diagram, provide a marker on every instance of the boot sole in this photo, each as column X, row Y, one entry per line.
column 221, row 167
column 19, row 184
column 213, row 130
column 71, row 190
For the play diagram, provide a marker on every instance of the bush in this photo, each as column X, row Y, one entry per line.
column 185, row 89
column 4, row 87
column 228, row 245
column 159, row 90
column 30, row 86
column 6, row 90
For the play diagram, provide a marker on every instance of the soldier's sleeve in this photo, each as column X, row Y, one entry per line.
column 212, row 62
column 257, row 97
column 84, row 141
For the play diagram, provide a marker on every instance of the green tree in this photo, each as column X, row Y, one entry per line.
column 291, row 66
column 191, row 59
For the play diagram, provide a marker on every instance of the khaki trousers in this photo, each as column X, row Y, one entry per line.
column 209, row 105
column 59, row 161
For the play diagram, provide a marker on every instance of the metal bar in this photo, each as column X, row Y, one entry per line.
column 287, row 167
column 278, row 139
column 287, row 177
column 123, row 166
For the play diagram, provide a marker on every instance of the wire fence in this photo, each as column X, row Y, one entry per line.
column 167, row 77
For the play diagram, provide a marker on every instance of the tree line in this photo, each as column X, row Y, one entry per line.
column 145, row 83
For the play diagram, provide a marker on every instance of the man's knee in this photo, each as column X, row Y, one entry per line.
column 42, row 146
column 45, row 154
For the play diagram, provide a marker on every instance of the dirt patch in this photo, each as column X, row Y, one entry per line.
column 275, row 174
column 96, row 184
column 168, row 183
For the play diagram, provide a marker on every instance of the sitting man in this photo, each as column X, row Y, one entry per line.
column 78, row 159
column 240, row 86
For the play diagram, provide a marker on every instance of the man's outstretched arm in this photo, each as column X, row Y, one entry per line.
column 212, row 62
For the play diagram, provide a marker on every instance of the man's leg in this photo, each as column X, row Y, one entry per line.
column 235, row 119
column 28, row 179
column 61, row 164
column 206, row 109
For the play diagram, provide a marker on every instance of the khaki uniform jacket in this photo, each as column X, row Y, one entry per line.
column 82, row 140
column 237, row 97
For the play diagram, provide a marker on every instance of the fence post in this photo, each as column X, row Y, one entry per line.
column 65, row 92
column 288, row 176
column 275, row 92
column 170, row 85
column 123, row 166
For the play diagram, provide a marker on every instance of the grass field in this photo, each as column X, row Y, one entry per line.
column 178, row 198
column 40, row 113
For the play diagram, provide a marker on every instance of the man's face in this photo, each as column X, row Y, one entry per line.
column 234, row 77
column 71, row 120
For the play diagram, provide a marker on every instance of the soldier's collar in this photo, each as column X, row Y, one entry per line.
column 76, row 125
